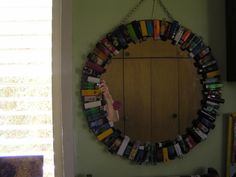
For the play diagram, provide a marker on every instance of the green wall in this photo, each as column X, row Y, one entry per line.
column 91, row 20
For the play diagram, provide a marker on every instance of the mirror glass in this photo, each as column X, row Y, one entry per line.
column 159, row 90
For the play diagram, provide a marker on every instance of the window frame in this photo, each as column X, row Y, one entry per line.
column 62, row 88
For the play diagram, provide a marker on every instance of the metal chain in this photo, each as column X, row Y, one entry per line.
column 131, row 12
column 166, row 10
column 153, row 8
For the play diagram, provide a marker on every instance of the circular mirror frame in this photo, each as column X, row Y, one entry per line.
column 93, row 101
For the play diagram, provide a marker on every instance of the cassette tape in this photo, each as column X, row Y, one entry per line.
column 200, row 133
column 178, row 150
column 153, row 155
column 128, row 150
column 95, row 80
column 94, row 66
column 210, row 110
column 211, row 103
column 149, row 24
column 197, row 139
column 95, row 111
column 87, row 85
column 143, row 29
column 109, row 46
column 170, row 149
column 165, row 154
column 124, row 31
column 105, row 134
column 196, row 46
column 101, row 129
column 196, row 50
column 94, row 58
column 205, row 60
column 92, row 111
column 94, row 92
column 178, row 35
column 102, row 48
column 211, row 74
column 206, row 122
column 164, row 30
column 123, row 146
column 201, row 126
column 182, row 144
column 190, row 142
column 99, row 115
column 187, row 42
column 136, row 27
column 209, row 64
column 90, row 72
column 132, row 33
column 87, row 99
column 213, row 93
column 156, row 29
column 204, row 52
column 134, row 151
column 216, row 100
column 159, row 152
column 84, row 78
column 173, row 29
column 92, row 104
column 109, row 140
column 148, row 153
column 121, row 37
column 190, row 40
column 116, row 145
column 100, row 54
column 208, row 69
column 211, row 80
column 214, row 86
column 196, row 41
column 186, row 35
column 97, row 123
column 207, row 115
column 167, row 32
column 114, row 40
column 216, row 106
column 140, row 154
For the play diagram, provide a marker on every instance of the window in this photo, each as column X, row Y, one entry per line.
column 26, row 80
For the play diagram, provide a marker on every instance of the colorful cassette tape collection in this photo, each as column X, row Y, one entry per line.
column 93, row 102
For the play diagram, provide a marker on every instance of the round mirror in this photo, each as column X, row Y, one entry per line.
column 159, row 89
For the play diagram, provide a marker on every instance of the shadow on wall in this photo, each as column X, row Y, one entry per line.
column 217, row 41
column 217, row 32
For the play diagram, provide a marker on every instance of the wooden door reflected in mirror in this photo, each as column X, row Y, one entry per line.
column 159, row 89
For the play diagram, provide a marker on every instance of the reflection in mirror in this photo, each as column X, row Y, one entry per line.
column 159, row 88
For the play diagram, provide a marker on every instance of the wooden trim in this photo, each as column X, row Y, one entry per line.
column 62, row 88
